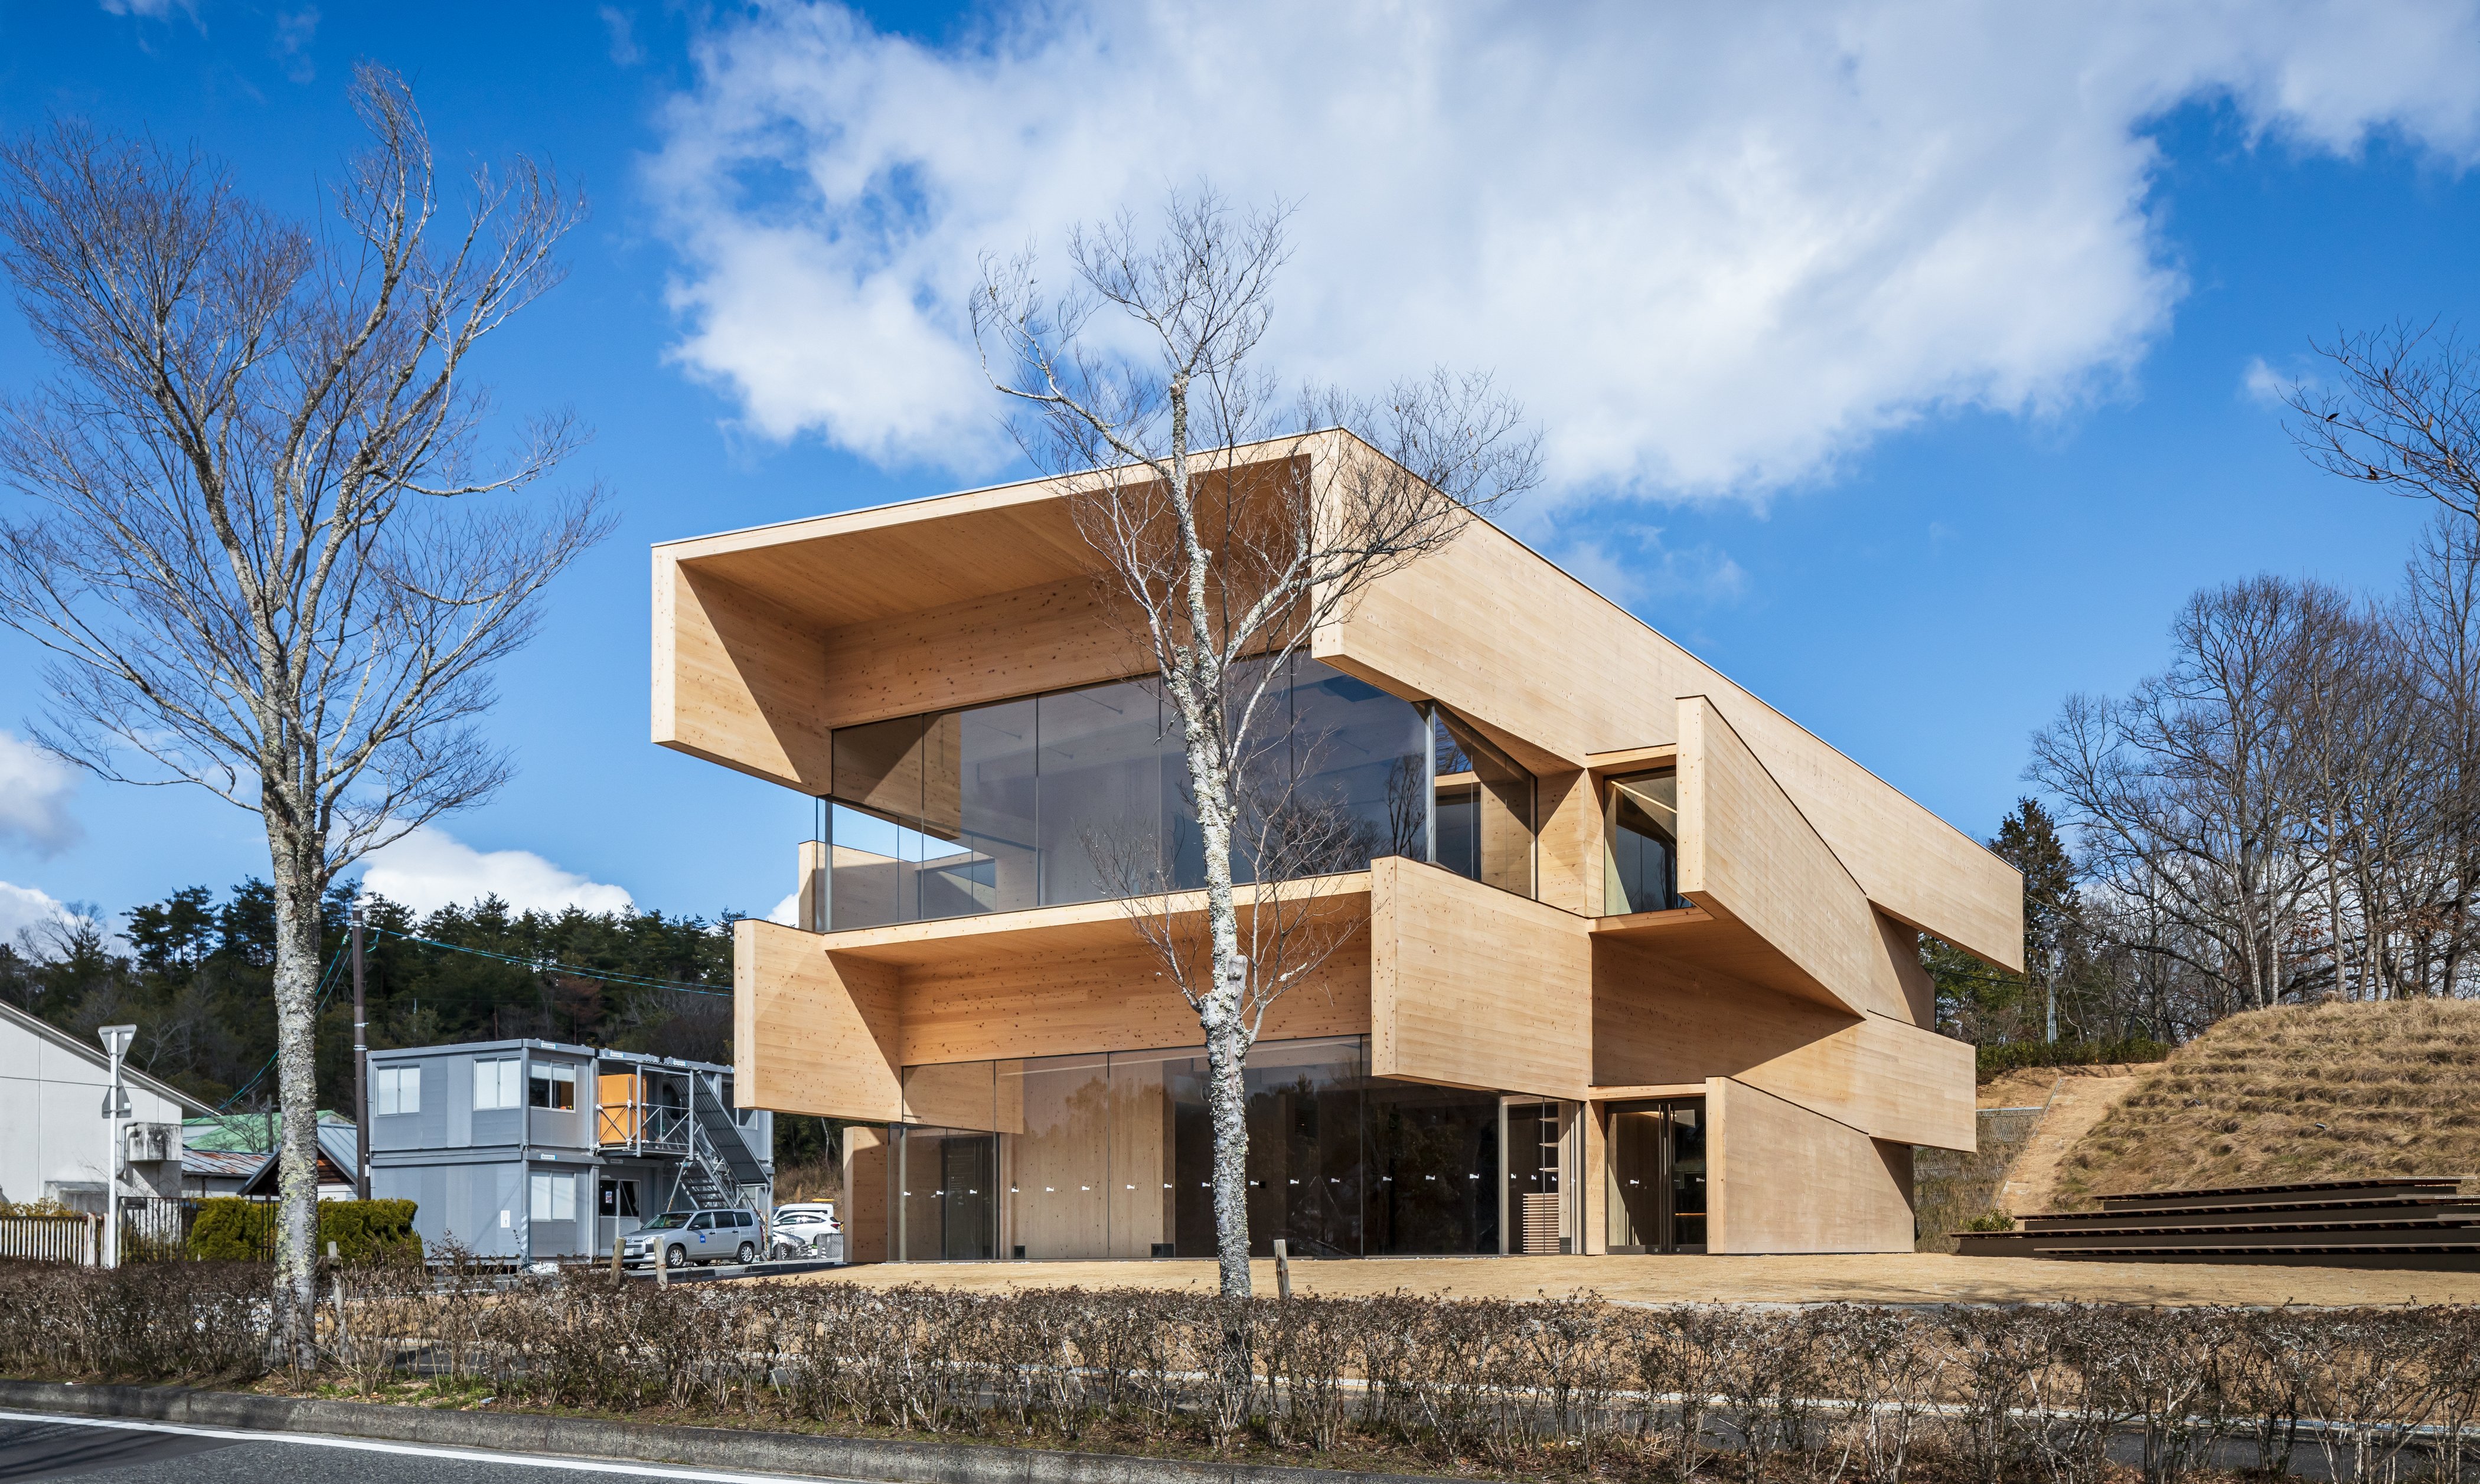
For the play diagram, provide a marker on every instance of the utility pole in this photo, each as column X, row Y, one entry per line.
column 116, row 1040
column 361, row 1073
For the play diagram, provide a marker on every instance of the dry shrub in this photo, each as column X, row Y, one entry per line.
column 2030, row 1394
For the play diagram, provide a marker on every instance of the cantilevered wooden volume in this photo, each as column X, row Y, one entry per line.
column 1628, row 960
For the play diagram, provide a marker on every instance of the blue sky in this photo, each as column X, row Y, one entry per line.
column 1895, row 358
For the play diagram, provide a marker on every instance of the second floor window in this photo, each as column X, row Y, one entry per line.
column 552, row 1085
column 399, row 1090
column 1083, row 795
column 496, row 1083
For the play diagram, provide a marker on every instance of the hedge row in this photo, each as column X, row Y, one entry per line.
column 2034, row 1394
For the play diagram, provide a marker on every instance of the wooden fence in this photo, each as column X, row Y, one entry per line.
column 63, row 1238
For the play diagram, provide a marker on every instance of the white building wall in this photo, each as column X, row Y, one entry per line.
column 53, row 1136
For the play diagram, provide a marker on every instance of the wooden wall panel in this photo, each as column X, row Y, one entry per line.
column 1784, row 1179
column 995, row 648
column 812, row 1033
column 1902, row 947
column 1110, row 998
column 1559, row 672
column 737, row 680
column 865, row 1210
column 1746, row 852
column 1473, row 988
column 1656, row 1022
column 1571, row 848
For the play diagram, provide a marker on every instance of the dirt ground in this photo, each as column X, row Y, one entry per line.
column 1904, row 1277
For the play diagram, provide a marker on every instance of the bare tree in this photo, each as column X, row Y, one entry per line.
column 1231, row 522
column 256, row 544
column 2187, row 793
column 2403, row 413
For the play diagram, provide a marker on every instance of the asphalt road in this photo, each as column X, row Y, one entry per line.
column 114, row 1452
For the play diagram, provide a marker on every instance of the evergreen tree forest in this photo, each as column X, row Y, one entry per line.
column 195, row 979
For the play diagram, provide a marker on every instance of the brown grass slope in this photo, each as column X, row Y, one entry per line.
column 2332, row 1091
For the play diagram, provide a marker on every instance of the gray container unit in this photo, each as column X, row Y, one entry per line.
column 510, row 1149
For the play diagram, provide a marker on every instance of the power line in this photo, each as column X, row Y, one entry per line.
column 326, row 985
column 548, row 966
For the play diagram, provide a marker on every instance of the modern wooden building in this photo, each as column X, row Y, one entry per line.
column 1633, row 961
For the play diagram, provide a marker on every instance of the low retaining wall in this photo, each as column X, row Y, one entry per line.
column 710, row 1447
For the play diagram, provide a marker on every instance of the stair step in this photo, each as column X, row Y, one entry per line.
column 2297, row 1194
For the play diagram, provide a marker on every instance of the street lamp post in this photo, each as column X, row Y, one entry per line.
column 116, row 1040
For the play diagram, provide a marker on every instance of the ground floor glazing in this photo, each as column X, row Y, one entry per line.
column 1111, row 1155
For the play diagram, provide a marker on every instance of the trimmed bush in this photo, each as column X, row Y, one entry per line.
column 2007, row 1055
column 229, row 1229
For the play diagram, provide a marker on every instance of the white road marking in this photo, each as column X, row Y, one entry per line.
column 415, row 1450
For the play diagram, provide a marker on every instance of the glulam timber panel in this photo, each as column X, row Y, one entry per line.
column 1471, row 986
column 812, row 1033
column 1783, row 1179
column 1114, row 998
column 1747, row 854
column 1656, row 1022
column 1561, row 675
column 998, row 646
column 737, row 680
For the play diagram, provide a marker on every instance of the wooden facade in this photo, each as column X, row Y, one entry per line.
column 1776, row 1010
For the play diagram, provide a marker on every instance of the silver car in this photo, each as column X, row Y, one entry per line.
column 680, row 1238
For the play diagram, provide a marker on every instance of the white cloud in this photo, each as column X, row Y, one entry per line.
column 26, row 907
column 625, row 50
column 430, row 869
column 1635, row 568
column 1713, row 248
column 787, row 912
column 2263, row 385
column 35, row 788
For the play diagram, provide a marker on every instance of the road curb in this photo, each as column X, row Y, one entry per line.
column 705, row 1448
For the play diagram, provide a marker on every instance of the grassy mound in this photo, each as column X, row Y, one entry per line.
column 2298, row 1092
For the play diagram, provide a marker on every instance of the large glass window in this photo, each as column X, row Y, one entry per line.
column 1484, row 808
column 1640, row 873
column 1657, row 1176
column 1083, row 795
column 947, row 1196
column 1112, row 1155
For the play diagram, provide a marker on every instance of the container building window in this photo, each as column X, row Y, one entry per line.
column 496, row 1083
column 399, row 1090
column 553, row 1086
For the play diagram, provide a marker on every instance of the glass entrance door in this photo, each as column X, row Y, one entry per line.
column 1657, row 1176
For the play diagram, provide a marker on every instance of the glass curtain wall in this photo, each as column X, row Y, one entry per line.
column 1641, row 871
column 1082, row 794
column 1112, row 1155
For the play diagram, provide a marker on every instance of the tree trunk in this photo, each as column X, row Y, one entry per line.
column 295, row 864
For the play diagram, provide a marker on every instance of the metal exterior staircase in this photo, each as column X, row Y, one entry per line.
column 722, row 1168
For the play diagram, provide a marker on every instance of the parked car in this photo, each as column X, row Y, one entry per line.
column 799, row 1227
column 679, row 1237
